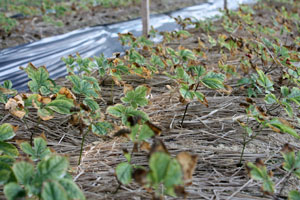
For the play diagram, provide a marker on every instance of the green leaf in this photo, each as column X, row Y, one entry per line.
column 13, row 191
column 116, row 110
column 283, row 128
column 45, row 114
column 91, row 103
column 123, row 112
column 124, row 171
column 200, row 96
column 52, row 167
column 94, row 82
column 145, row 133
column 173, row 175
column 156, row 61
column 264, row 81
column 212, row 41
column 72, row 189
column 6, row 172
column 294, row 195
column 8, row 149
column 39, row 151
column 158, row 164
column 185, row 92
column 24, row 172
column 6, row 132
column 101, row 128
column 270, row 99
column 187, row 54
column 39, row 78
column 288, row 108
column 295, row 95
column 181, row 74
column 85, row 87
column 199, row 70
column 53, row 191
column 7, row 159
column 4, row 175
column 256, row 173
column 61, row 106
column 136, row 97
column 268, row 186
column 260, row 173
column 213, row 80
column 289, row 160
column 284, row 91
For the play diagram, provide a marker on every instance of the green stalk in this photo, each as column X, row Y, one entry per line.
column 187, row 105
column 81, row 148
column 31, row 136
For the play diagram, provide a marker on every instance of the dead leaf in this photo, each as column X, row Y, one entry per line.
column 140, row 176
column 188, row 163
column 153, row 127
column 145, row 146
column 127, row 88
column 16, row 106
column 158, row 146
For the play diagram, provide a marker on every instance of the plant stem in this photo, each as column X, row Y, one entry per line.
column 246, row 142
column 187, row 105
column 81, row 147
column 31, row 136
column 243, row 150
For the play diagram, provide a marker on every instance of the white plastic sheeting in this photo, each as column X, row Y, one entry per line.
column 91, row 41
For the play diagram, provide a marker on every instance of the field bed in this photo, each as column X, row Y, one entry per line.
column 33, row 28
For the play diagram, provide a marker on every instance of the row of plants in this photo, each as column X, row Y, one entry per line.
column 50, row 10
column 266, row 70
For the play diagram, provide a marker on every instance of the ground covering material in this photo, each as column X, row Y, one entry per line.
column 212, row 133
column 33, row 28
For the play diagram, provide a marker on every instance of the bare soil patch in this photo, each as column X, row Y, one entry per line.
column 34, row 28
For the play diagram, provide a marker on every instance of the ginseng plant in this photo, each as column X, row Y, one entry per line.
column 45, row 97
column 166, row 175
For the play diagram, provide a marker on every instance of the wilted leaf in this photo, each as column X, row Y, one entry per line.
column 158, row 146
column 153, row 127
column 45, row 114
column 140, row 176
column 16, row 106
column 188, row 163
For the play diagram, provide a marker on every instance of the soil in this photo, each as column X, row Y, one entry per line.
column 34, row 28
column 212, row 133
